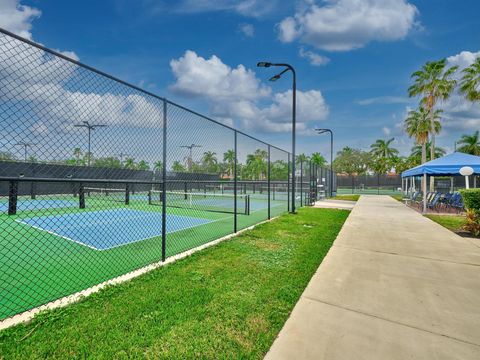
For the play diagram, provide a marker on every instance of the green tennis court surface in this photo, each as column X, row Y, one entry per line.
column 52, row 248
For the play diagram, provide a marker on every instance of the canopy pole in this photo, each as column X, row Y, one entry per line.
column 425, row 193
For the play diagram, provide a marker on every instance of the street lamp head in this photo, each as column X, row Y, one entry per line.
column 274, row 78
column 264, row 64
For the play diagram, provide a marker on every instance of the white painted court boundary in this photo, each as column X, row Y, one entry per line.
column 30, row 314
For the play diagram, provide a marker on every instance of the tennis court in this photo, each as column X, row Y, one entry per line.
column 106, row 229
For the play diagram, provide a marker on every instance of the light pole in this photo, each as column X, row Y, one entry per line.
column 294, row 112
column 25, row 147
column 190, row 148
column 89, row 127
column 321, row 131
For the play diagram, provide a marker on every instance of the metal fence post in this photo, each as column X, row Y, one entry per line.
column 235, row 185
column 164, row 182
column 301, row 183
column 268, row 182
column 288, row 183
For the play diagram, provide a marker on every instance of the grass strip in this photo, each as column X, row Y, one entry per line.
column 346, row 197
column 451, row 222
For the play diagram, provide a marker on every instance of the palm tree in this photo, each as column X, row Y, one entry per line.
column 470, row 82
column 158, row 166
column 381, row 149
column 301, row 158
column 417, row 125
column 382, row 155
column 77, row 152
column 129, row 164
column 178, row 167
column 318, row 159
column 417, row 151
column 143, row 165
column 209, row 161
column 433, row 82
column 470, row 144
column 6, row 156
column 229, row 158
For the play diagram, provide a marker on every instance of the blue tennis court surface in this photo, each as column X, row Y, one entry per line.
column 30, row 204
column 106, row 229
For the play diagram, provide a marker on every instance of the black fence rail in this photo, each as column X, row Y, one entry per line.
column 99, row 178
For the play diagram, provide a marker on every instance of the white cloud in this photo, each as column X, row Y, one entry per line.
column 342, row 25
column 17, row 18
column 463, row 59
column 250, row 8
column 197, row 76
column 386, row 131
column 235, row 94
column 247, row 29
column 38, row 80
column 315, row 59
column 460, row 113
column 383, row 100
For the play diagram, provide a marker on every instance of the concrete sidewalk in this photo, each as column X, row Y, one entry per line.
column 335, row 204
column 395, row 285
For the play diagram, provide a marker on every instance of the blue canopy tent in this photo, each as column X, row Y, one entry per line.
column 448, row 165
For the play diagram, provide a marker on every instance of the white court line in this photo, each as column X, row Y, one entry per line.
column 127, row 243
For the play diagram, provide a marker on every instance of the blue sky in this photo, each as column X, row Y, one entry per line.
column 353, row 58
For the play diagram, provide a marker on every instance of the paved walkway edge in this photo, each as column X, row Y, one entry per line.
column 394, row 285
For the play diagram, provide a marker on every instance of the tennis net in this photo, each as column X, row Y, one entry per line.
column 119, row 195
column 202, row 201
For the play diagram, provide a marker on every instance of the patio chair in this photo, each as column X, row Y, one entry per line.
column 434, row 201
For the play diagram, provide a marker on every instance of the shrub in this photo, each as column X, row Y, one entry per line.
column 471, row 199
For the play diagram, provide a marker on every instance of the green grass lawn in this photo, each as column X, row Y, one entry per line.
column 451, row 222
column 228, row 301
column 398, row 197
column 346, row 197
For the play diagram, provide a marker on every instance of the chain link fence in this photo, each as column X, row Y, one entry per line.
column 99, row 178
column 384, row 184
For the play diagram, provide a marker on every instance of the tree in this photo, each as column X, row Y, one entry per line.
column 157, row 166
column 178, row 167
column 110, row 162
column 417, row 125
column 88, row 158
column 143, row 165
column 318, row 159
column 470, row 144
column 470, row 82
column 382, row 149
column 301, row 158
column 417, row 152
column 279, row 170
column 256, row 165
column 129, row 164
column 433, row 82
column 351, row 161
column 209, row 161
column 77, row 153
column 402, row 163
column 229, row 158
column 6, row 156
column 382, row 155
